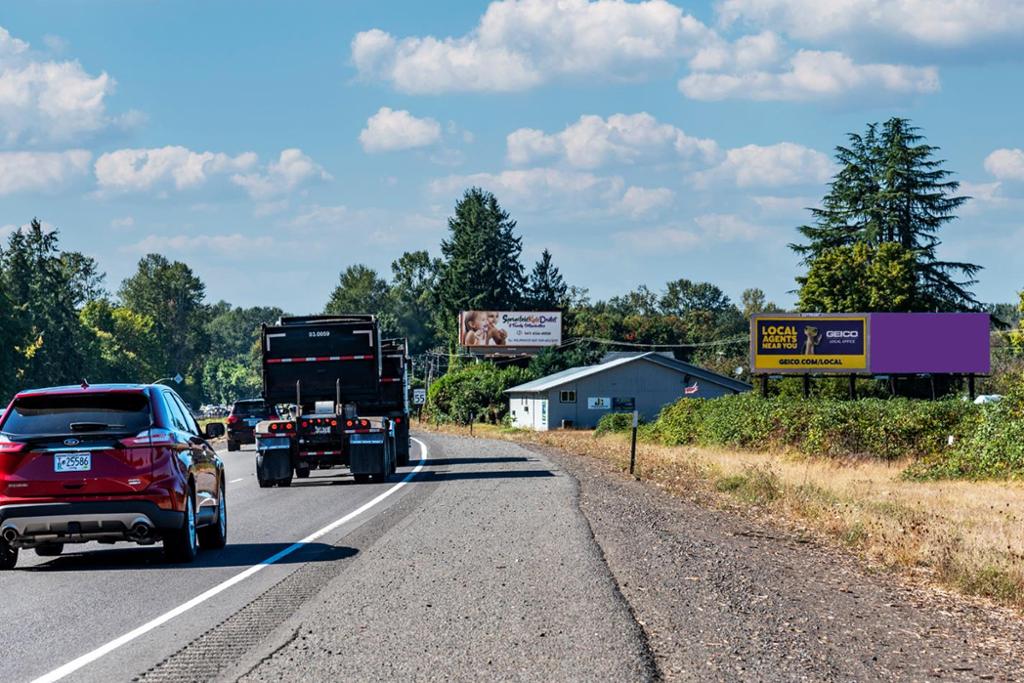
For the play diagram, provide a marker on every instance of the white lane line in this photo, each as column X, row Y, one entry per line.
column 233, row 481
column 90, row 657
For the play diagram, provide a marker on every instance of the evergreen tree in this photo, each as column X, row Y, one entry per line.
column 546, row 288
column 45, row 289
column 481, row 268
column 891, row 189
column 414, row 277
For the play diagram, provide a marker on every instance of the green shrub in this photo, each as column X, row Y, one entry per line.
column 614, row 422
column 473, row 392
column 993, row 448
column 878, row 428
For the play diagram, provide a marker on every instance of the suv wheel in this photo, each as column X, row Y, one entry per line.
column 216, row 535
column 49, row 549
column 181, row 545
column 232, row 445
column 8, row 555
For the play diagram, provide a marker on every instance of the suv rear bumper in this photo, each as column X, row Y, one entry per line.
column 245, row 436
column 80, row 522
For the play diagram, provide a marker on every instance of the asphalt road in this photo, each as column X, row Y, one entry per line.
column 58, row 609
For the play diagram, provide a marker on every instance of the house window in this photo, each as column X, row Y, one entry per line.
column 567, row 397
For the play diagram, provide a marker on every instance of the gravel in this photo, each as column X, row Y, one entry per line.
column 723, row 596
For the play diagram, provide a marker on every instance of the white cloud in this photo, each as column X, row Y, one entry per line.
column 747, row 53
column 702, row 231
column 812, row 75
column 41, row 171
column 535, row 188
column 521, row 44
column 133, row 170
column 727, row 227
column 560, row 191
column 785, row 163
column 643, row 201
column 389, row 130
column 593, row 142
column 941, row 23
column 235, row 245
column 47, row 101
column 293, row 168
column 163, row 168
column 1006, row 164
column 123, row 223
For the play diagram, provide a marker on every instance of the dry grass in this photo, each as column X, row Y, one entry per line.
column 963, row 534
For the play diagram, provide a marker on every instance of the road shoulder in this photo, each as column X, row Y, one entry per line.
column 498, row 578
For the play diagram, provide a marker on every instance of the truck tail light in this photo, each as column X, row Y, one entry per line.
column 364, row 423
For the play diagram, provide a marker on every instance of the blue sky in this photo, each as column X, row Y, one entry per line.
column 271, row 144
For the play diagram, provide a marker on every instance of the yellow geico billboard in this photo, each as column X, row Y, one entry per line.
column 809, row 343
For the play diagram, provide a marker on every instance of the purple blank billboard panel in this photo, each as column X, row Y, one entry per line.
column 910, row 343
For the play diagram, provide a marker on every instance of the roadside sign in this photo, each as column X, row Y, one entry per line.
column 599, row 403
column 419, row 397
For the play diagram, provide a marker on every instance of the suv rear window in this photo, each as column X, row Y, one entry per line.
column 251, row 409
column 78, row 414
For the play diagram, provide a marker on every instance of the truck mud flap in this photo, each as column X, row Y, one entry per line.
column 402, row 447
column 274, row 464
column 368, row 454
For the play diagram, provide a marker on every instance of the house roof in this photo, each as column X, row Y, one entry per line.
column 573, row 374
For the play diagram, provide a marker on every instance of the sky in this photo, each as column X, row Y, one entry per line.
column 271, row 144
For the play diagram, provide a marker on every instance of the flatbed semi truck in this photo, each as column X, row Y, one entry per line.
column 330, row 368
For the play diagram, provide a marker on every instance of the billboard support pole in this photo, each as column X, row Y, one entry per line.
column 970, row 385
column 807, row 386
column 931, row 382
column 853, row 387
column 764, row 386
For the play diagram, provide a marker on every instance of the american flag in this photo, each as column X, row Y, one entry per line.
column 693, row 389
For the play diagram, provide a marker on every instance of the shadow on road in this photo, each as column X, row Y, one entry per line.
column 234, row 555
column 476, row 461
column 514, row 474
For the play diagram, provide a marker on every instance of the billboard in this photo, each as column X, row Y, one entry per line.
column 496, row 329
column 870, row 343
column 809, row 343
column 934, row 343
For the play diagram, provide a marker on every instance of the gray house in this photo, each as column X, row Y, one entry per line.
column 646, row 382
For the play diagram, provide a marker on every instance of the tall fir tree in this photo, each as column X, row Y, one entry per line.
column 890, row 188
column 45, row 289
column 481, row 267
column 546, row 288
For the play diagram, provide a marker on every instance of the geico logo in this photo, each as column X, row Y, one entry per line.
column 842, row 334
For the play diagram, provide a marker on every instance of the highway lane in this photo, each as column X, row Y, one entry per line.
column 57, row 609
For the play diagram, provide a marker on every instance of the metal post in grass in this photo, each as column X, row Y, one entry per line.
column 632, row 448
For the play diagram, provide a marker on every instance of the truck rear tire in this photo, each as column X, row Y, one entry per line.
column 361, row 478
column 302, row 473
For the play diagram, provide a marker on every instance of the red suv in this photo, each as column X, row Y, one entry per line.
column 118, row 462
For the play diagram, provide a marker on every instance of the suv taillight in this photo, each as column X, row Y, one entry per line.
column 232, row 419
column 150, row 437
column 8, row 446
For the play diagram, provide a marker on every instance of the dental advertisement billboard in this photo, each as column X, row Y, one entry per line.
column 496, row 329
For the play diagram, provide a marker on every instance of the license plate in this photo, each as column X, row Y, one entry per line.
column 252, row 421
column 72, row 462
